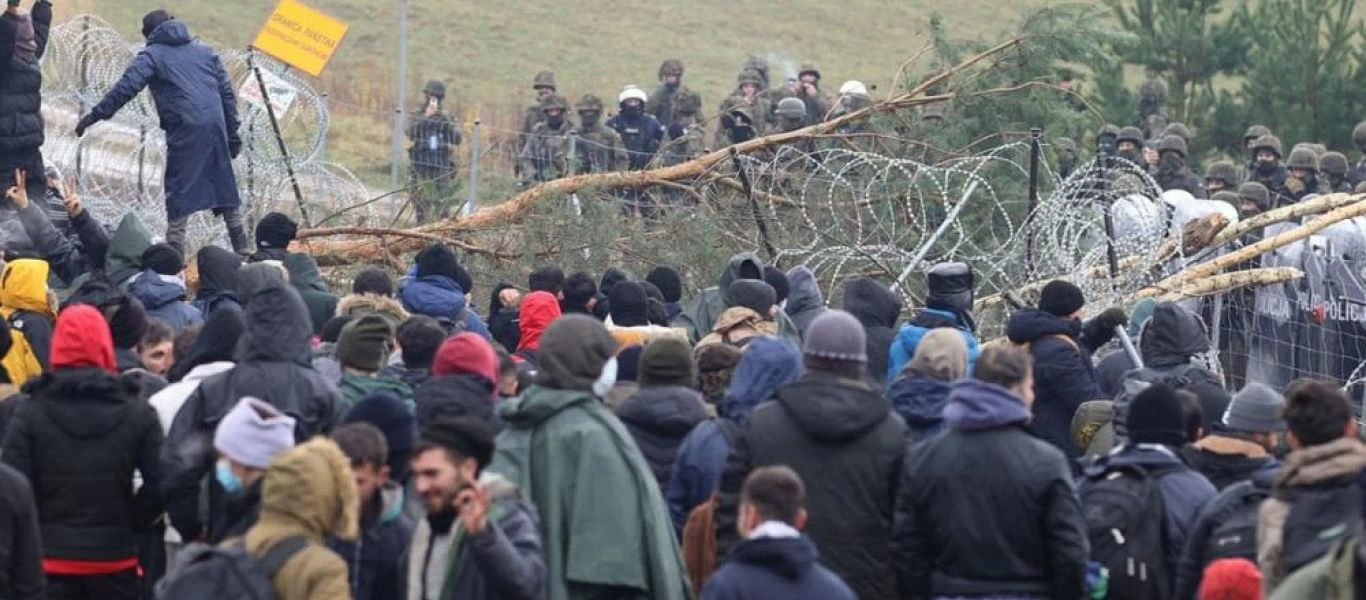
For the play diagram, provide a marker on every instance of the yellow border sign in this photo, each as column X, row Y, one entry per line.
column 300, row 37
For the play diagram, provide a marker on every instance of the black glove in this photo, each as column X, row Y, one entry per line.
column 1113, row 317
column 85, row 124
column 234, row 146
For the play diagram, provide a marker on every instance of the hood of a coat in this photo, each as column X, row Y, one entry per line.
column 788, row 557
column 833, row 409
column 216, row 342
column 304, row 274
column 977, row 405
column 217, row 272
column 454, row 396
column 739, row 317
column 434, row 296
column 1225, row 464
column 171, row 33
column 920, row 400
column 278, row 328
column 155, row 292
column 669, row 411
column 1339, row 458
column 312, row 486
column 804, row 293
column 255, row 277
column 740, row 266
column 495, row 300
column 1171, row 336
column 767, row 363
column 86, row 402
column 81, row 339
column 538, row 311
column 1031, row 325
column 871, row 303
column 23, row 286
column 538, row 404
column 356, row 305
column 127, row 245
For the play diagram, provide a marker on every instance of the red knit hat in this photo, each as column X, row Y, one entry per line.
column 81, row 339
column 1231, row 579
column 466, row 353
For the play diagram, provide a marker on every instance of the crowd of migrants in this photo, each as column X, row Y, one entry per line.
column 585, row 437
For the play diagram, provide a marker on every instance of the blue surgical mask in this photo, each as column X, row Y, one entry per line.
column 227, row 478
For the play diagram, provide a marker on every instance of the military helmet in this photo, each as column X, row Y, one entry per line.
column 759, row 64
column 1226, row 196
column 1131, row 134
column 809, row 67
column 588, row 102
column 1255, row 192
column 1153, row 90
column 1109, row 130
column 554, row 101
column 1223, row 171
column 1360, row 189
column 544, row 79
column 1172, row 143
column 673, row 66
column 1268, row 142
column 435, row 88
column 1178, row 129
column 853, row 87
column 737, row 116
column 749, row 76
column 1359, row 135
column 1256, row 131
column 1319, row 150
column 1303, row 158
column 687, row 103
column 1333, row 163
column 791, row 107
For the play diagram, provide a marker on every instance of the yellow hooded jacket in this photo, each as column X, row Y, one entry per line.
column 23, row 289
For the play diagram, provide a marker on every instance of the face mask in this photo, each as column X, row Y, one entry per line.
column 632, row 110
column 226, row 478
column 554, row 122
column 588, row 118
column 1266, row 167
column 1171, row 163
column 1132, row 156
column 607, row 379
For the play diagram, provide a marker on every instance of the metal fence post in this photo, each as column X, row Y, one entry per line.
column 472, row 204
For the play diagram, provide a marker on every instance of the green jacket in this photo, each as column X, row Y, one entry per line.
column 700, row 314
column 355, row 388
column 603, row 521
column 1331, row 577
column 308, row 280
column 124, row 259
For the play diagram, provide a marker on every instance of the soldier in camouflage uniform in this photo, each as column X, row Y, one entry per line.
column 686, row 137
column 1303, row 166
column 1357, row 174
column 1129, row 145
column 1256, row 199
column 1220, row 176
column 544, row 86
column 808, row 90
column 546, row 153
column 433, row 137
column 1267, row 168
column 1152, row 108
column 663, row 104
column 1067, row 157
column 597, row 149
column 1333, row 166
column 739, row 125
column 749, row 94
column 1250, row 138
column 1172, row 172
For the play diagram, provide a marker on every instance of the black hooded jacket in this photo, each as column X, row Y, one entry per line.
column 21, row 85
column 877, row 309
column 78, row 438
column 1063, row 375
column 274, row 364
column 452, row 396
column 842, row 438
column 659, row 418
column 217, row 280
column 504, row 324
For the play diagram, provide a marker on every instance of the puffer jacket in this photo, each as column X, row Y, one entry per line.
column 24, row 304
column 877, row 309
column 844, row 441
column 164, row 300
column 659, row 418
column 1063, row 375
column 903, row 346
column 439, row 296
column 308, row 492
column 274, row 365
column 21, row 84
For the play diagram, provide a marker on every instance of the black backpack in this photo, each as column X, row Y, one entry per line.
column 1234, row 533
column 1134, row 382
column 227, row 572
column 1124, row 515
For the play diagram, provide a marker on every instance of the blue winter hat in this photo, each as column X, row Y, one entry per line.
column 386, row 412
column 766, row 364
